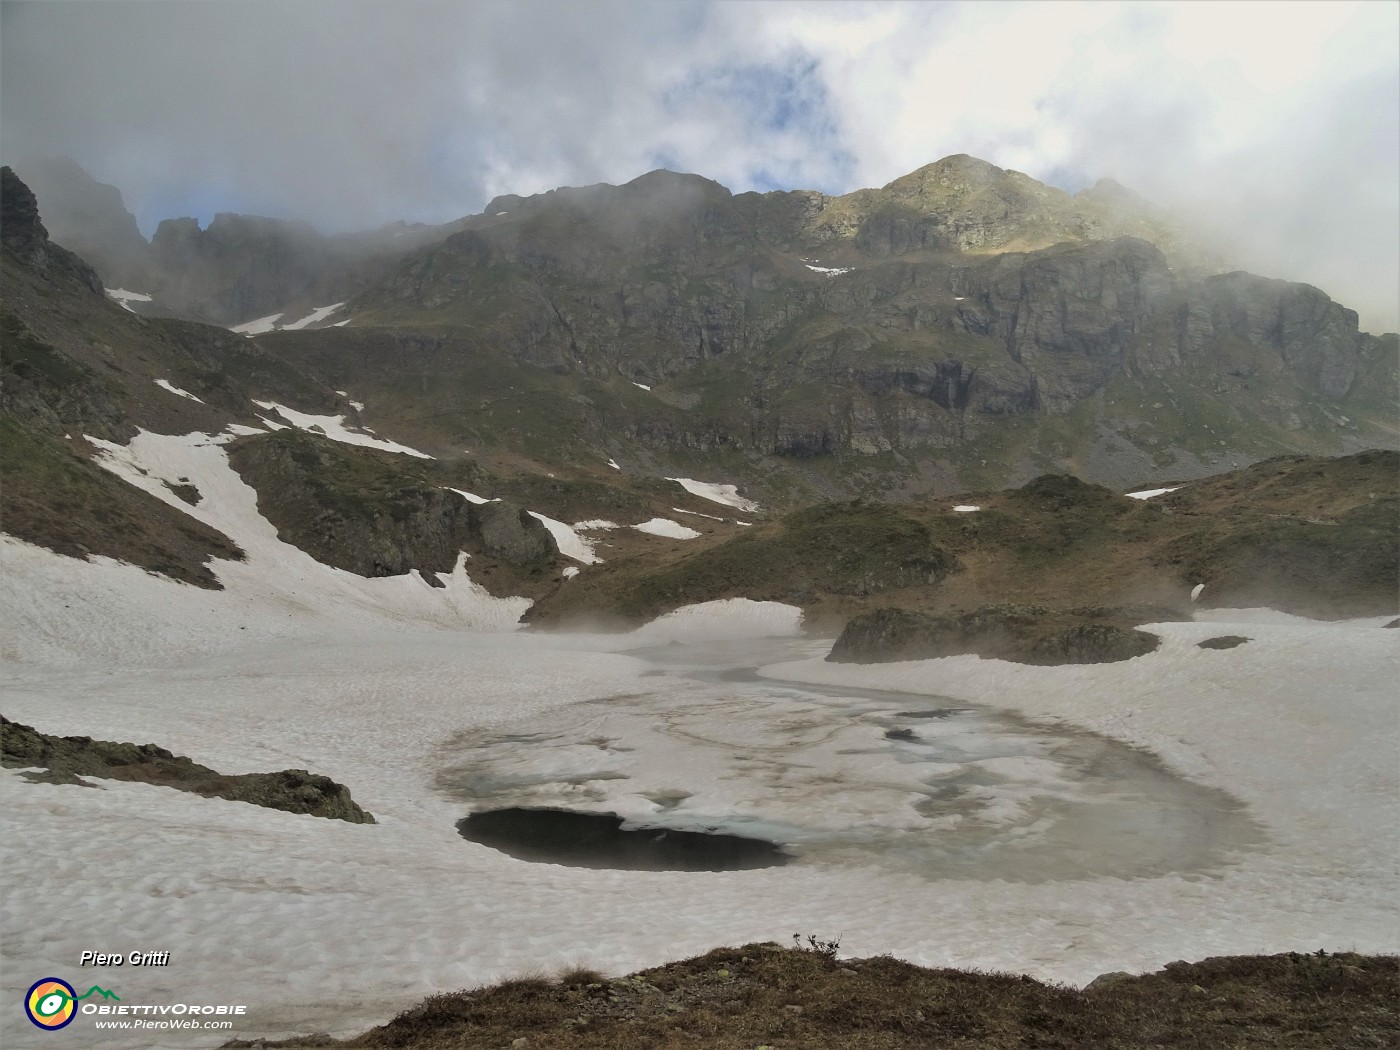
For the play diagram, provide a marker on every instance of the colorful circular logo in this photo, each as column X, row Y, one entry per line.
column 50, row 1003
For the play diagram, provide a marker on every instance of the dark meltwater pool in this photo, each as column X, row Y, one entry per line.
column 711, row 768
column 598, row 840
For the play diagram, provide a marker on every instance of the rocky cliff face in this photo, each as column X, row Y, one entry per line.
column 91, row 219
column 782, row 324
column 371, row 514
column 23, row 233
column 239, row 268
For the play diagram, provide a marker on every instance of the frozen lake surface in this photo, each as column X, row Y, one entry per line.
column 837, row 777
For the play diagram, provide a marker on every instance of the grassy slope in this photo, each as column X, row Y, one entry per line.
column 763, row 995
column 1325, row 530
column 59, row 499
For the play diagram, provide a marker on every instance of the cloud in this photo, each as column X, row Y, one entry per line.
column 1273, row 125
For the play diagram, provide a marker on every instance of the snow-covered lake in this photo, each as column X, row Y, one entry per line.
column 983, row 842
column 855, row 778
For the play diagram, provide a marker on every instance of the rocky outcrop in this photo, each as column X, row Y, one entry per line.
column 512, row 534
column 66, row 758
column 370, row 513
column 240, row 268
column 23, row 233
column 91, row 219
column 1023, row 634
column 846, row 551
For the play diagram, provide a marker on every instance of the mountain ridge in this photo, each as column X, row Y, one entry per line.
column 572, row 353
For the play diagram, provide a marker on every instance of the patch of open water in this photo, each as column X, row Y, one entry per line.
column 831, row 776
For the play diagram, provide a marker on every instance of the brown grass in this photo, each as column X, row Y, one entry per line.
column 765, row 995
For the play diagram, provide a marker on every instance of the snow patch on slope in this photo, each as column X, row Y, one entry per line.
column 666, row 527
column 259, row 326
column 1149, row 493
column 165, row 384
column 471, row 497
column 569, row 542
column 125, row 298
column 317, row 315
column 697, row 514
column 715, row 493
column 335, row 428
column 276, row 572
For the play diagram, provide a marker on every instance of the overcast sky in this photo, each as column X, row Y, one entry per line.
column 1276, row 123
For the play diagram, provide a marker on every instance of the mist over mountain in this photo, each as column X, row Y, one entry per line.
column 1275, row 135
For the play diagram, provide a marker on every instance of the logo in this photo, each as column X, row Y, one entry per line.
column 51, row 1003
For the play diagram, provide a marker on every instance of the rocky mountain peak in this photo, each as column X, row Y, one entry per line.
column 1114, row 194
